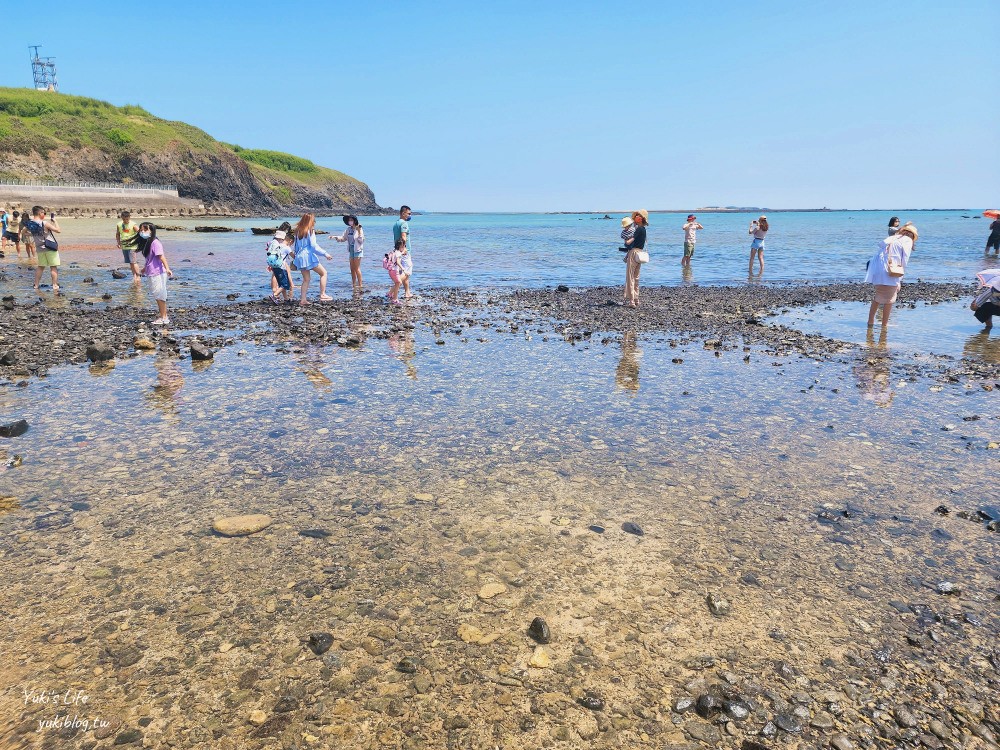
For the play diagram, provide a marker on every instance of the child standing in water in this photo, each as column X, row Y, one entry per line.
column 391, row 263
column 156, row 269
column 758, row 228
column 277, row 254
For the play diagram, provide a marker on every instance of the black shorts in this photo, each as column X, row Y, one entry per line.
column 985, row 312
column 12, row 236
column 281, row 276
column 993, row 242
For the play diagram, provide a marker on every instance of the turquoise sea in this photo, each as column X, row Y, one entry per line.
column 537, row 250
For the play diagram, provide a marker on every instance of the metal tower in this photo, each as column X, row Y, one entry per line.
column 44, row 70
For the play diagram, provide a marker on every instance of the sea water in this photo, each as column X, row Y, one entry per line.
column 532, row 250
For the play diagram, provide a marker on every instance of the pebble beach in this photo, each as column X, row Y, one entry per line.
column 515, row 519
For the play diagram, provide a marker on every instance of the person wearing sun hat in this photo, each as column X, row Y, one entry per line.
column 690, row 227
column 886, row 270
column 354, row 236
column 628, row 229
column 635, row 245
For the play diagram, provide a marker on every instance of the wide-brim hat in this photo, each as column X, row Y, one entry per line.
column 279, row 234
column 643, row 213
column 627, row 221
column 348, row 217
column 908, row 227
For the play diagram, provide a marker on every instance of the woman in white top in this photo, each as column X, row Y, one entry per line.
column 886, row 269
column 354, row 236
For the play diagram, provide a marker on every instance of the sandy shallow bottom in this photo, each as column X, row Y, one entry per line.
column 795, row 498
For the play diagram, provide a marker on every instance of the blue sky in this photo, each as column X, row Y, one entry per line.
column 546, row 106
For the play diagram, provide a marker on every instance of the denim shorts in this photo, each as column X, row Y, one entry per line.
column 281, row 276
column 757, row 244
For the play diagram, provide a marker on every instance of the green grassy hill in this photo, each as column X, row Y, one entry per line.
column 82, row 138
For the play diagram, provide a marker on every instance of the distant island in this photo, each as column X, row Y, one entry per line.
column 49, row 136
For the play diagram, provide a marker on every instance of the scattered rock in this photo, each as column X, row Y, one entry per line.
column 320, row 643
column 8, row 358
column 200, row 352
column 128, row 737
column 718, row 605
column 948, row 588
column 315, row 533
column 406, row 666
column 591, row 702
column 708, row 706
column 683, row 705
column 116, row 274
column 14, row 429
column 540, row 658
column 98, row 351
column 456, row 722
column 539, row 630
column 470, row 633
column 562, row 288
column 904, row 717
column 632, row 528
column 491, row 590
column 257, row 717
column 241, row 525
column 788, row 723
column 596, row 529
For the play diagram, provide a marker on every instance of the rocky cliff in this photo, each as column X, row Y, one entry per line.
column 56, row 136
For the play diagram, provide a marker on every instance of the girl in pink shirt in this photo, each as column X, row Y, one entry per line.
column 156, row 270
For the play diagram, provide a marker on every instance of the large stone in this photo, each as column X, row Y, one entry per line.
column 200, row 352
column 539, row 630
column 241, row 525
column 492, row 589
column 470, row 633
column 14, row 429
column 98, row 351
column 8, row 359
column 540, row 658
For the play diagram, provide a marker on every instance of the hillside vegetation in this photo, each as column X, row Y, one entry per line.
column 59, row 136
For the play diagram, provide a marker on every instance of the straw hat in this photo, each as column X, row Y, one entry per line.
column 908, row 227
column 627, row 222
column 643, row 213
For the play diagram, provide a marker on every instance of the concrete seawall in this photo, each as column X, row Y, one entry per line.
column 102, row 202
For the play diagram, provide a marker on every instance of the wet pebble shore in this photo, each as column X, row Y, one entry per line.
column 38, row 336
column 518, row 588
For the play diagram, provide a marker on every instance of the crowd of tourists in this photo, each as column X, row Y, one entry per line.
column 884, row 271
column 295, row 249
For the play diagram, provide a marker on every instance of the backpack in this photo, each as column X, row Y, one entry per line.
column 388, row 264
column 273, row 258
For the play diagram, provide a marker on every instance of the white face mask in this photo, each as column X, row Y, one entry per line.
column 144, row 235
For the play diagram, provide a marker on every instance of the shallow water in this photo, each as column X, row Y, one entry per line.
column 945, row 329
column 438, row 469
column 531, row 250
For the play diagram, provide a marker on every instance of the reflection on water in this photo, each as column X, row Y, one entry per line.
column 402, row 345
column 164, row 395
column 493, row 467
column 627, row 373
column 947, row 328
column 984, row 346
column 873, row 371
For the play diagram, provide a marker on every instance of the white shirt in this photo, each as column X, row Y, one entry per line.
column 898, row 248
